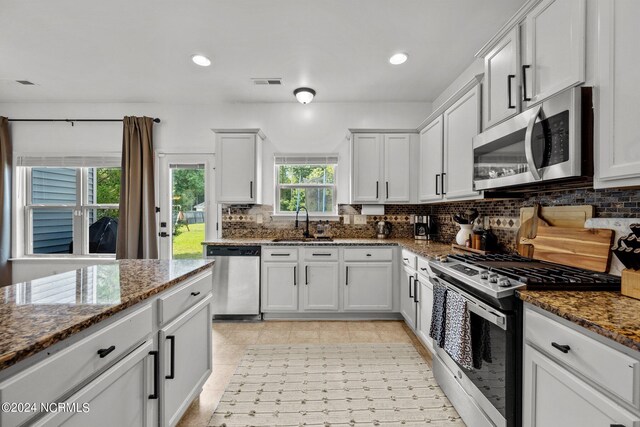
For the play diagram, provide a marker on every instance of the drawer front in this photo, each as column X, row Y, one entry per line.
column 176, row 301
column 605, row 366
column 51, row 378
column 321, row 254
column 368, row 254
column 424, row 268
column 409, row 259
column 279, row 254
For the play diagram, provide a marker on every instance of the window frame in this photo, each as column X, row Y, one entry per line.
column 80, row 211
column 321, row 160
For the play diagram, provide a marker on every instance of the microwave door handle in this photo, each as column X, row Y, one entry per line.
column 528, row 144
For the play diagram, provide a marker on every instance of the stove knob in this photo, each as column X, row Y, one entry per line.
column 504, row 283
column 484, row 275
column 493, row 278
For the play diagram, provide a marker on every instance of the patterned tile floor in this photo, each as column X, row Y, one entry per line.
column 230, row 341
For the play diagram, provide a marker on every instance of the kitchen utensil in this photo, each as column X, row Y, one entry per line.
column 528, row 229
column 577, row 247
column 383, row 229
column 488, row 241
column 471, row 215
column 631, row 283
column 561, row 216
column 459, row 219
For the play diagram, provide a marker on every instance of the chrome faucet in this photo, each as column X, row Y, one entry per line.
column 306, row 234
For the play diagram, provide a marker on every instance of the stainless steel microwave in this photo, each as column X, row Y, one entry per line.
column 540, row 144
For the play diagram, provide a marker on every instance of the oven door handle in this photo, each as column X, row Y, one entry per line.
column 528, row 144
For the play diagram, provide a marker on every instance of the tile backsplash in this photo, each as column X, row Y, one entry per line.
column 503, row 215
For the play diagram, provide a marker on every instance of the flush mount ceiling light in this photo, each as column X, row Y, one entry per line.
column 304, row 95
column 201, row 60
column 398, row 58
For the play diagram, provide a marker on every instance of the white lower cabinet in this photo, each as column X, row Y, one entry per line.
column 408, row 306
column 320, row 286
column 425, row 309
column 368, row 286
column 554, row 397
column 121, row 396
column 185, row 350
column 279, row 286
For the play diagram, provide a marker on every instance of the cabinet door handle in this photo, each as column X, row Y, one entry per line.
column 444, row 174
column 415, row 290
column 387, row 185
column 295, row 270
column 103, row 352
column 510, row 78
column 172, row 360
column 410, row 286
column 320, row 254
column 280, row 254
column 195, row 294
column 563, row 348
column 406, row 259
column 524, row 83
column 251, row 189
column 156, row 374
column 616, row 425
column 377, row 189
column 437, row 177
column 346, row 280
column 306, row 274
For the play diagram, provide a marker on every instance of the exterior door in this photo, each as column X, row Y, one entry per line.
column 188, row 213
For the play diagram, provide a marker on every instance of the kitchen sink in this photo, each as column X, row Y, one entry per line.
column 302, row 239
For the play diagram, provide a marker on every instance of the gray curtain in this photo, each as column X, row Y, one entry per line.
column 6, row 154
column 137, row 233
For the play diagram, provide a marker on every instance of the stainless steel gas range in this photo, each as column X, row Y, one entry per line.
column 490, row 393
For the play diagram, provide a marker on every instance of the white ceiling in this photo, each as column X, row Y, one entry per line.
column 139, row 50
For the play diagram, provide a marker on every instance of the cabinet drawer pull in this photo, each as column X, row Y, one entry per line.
column 423, row 269
column 172, row 360
column 280, row 254
column 195, row 294
column 156, row 374
column 406, row 259
column 368, row 254
column 320, row 254
column 103, row 352
column 563, row 348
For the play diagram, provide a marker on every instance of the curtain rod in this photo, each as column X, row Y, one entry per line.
column 156, row 120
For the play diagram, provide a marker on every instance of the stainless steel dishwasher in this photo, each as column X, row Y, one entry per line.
column 236, row 281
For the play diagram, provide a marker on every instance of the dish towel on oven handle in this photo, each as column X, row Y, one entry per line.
column 457, row 335
column 438, row 313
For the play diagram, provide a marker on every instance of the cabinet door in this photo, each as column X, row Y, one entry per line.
column 425, row 309
column 431, row 154
column 279, row 286
column 407, row 301
column 555, row 58
column 461, row 124
column 367, row 165
column 368, row 286
column 236, row 168
column 320, row 290
column 617, row 158
column 118, row 397
column 553, row 397
column 397, row 161
column 500, row 95
column 185, row 349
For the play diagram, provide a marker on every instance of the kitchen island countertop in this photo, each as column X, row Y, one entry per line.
column 609, row 314
column 37, row 314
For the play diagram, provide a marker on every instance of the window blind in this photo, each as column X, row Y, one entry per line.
column 110, row 160
column 303, row 159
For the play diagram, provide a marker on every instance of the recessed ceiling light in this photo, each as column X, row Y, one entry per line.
column 398, row 58
column 201, row 60
column 304, row 95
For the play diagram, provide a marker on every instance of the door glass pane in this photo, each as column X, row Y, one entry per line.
column 188, row 211
column 52, row 231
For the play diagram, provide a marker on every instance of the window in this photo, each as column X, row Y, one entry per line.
column 70, row 210
column 306, row 181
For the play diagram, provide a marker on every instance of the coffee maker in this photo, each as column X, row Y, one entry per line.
column 423, row 227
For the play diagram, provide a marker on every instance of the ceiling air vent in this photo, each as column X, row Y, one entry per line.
column 25, row 82
column 268, row 82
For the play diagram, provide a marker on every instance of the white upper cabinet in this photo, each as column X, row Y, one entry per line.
column 381, row 168
column 617, row 155
column 461, row 124
column 555, row 49
column 239, row 166
column 431, row 151
column 397, row 160
column 501, row 98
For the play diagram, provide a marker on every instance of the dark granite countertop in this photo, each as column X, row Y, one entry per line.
column 37, row 314
column 609, row 314
column 423, row 248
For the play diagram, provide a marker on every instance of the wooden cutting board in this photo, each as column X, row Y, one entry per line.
column 528, row 229
column 561, row 216
column 577, row 247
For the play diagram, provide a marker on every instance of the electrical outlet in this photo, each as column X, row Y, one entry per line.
column 360, row 219
column 346, row 219
column 258, row 219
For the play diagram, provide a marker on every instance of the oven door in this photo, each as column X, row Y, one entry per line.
column 539, row 144
column 491, row 383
